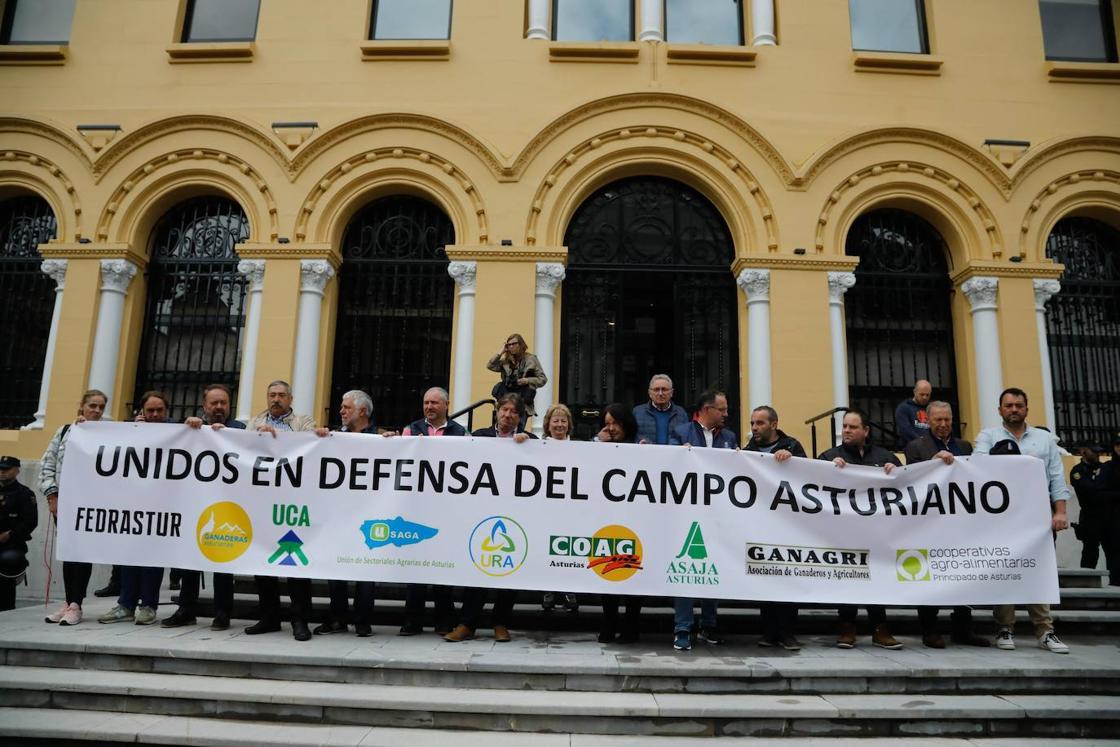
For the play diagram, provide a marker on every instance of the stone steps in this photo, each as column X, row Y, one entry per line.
column 33, row 726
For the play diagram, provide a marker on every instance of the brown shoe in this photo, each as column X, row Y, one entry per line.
column 459, row 634
column 501, row 634
column 847, row 637
column 933, row 639
column 971, row 639
column 883, row 639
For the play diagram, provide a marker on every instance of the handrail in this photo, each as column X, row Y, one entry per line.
column 469, row 412
column 832, row 426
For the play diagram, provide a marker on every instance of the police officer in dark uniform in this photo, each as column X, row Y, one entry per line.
column 18, row 519
column 1106, row 491
column 1091, row 523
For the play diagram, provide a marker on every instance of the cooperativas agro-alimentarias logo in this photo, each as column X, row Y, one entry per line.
column 912, row 565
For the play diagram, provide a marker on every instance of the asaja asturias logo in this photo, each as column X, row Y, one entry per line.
column 498, row 545
column 912, row 565
column 224, row 532
column 692, row 566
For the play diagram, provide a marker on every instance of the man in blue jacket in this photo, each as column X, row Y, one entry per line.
column 705, row 430
column 658, row 418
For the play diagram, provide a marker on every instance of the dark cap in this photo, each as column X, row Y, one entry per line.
column 1006, row 446
column 7, row 462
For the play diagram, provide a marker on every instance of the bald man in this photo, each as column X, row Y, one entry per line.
column 910, row 421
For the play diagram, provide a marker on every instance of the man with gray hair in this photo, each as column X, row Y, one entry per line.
column 659, row 417
column 939, row 443
column 356, row 414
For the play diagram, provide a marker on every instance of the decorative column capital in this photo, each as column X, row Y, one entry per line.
column 314, row 274
column 981, row 292
column 1044, row 290
column 463, row 272
column 253, row 270
column 755, row 284
column 55, row 269
column 840, row 283
column 549, row 277
column 116, row 274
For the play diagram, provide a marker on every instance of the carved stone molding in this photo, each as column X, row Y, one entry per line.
column 1044, row 290
column 314, row 274
column 549, row 277
column 68, row 190
column 981, row 292
column 253, row 270
column 755, row 284
column 463, row 273
column 840, row 283
column 1075, row 180
column 55, row 269
column 116, row 274
column 48, row 132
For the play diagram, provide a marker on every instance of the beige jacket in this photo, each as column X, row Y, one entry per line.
column 296, row 422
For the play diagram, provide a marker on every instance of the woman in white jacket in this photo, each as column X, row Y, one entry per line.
column 75, row 576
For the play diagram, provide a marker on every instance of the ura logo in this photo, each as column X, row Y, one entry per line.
column 224, row 532
column 498, row 546
column 397, row 532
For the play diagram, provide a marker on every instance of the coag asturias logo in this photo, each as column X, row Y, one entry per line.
column 224, row 532
column 912, row 565
column 398, row 532
column 498, row 545
column 613, row 553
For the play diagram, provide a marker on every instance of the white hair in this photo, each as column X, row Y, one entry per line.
column 442, row 392
column 361, row 400
column 655, row 377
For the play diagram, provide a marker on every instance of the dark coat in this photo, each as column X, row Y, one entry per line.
column 693, row 433
column 18, row 514
column 872, row 456
column 784, row 442
column 922, row 448
column 647, row 421
column 492, row 432
column 420, row 428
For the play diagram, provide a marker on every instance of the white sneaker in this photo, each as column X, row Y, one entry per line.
column 117, row 615
column 56, row 617
column 73, row 615
column 1004, row 639
column 145, row 616
column 1051, row 642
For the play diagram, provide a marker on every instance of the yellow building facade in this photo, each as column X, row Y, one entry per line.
column 509, row 135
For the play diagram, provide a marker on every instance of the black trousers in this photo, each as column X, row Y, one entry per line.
column 340, row 602
column 633, row 619
column 474, row 599
column 416, row 597
column 13, row 561
column 299, row 592
column 778, row 618
column 75, row 580
column 876, row 614
column 223, row 592
column 1093, row 528
column 960, row 620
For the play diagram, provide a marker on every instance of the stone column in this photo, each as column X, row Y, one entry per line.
column 538, row 20
column 650, row 21
column 756, row 287
column 839, row 283
column 116, row 275
column 1044, row 290
column 762, row 23
column 549, row 277
column 253, row 269
column 56, row 270
column 982, row 293
column 463, row 273
column 313, row 278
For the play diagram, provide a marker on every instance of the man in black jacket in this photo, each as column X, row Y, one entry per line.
column 778, row 618
column 854, row 449
column 910, row 416
column 18, row 519
column 939, row 443
column 1106, row 492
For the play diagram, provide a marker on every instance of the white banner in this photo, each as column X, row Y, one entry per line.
column 560, row 516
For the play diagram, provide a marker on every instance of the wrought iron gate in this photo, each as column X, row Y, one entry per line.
column 648, row 290
column 1083, row 323
column 898, row 316
column 26, row 305
column 196, row 304
column 393, row 334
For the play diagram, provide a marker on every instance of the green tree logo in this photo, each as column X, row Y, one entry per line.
column 693, row 545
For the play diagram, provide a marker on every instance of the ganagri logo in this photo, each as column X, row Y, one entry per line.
column 691, row 566
column 381, row 532
column 912, row 565
column 498, row 545
column 613, row 553
column 224, row 532
column 829, row 563
column 289, row 550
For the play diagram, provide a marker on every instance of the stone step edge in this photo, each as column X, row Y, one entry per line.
column 562, row 703
column 191, row 731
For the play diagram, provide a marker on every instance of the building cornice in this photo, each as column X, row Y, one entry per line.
column 795, row 262
column 993, row 268
column 75, row 250
column 495, row 253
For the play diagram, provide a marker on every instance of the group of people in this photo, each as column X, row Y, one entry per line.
column 658, row 421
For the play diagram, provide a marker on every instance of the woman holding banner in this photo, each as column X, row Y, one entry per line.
column 75, row 576
column 558, row 427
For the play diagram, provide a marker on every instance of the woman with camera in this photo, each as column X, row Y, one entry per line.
column 521, row 373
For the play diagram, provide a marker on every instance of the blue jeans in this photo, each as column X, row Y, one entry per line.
column 682, row 614
column 140, row 585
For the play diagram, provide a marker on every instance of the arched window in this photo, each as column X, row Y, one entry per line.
column 196, row 303
column 648, row 290
column 26, row 305
column 395, row 298
column 1083, row 323
column 898, row 316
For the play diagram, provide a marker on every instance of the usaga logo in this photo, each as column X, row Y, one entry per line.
column 912, row 565
column 398, row 532
column 498, row 545
column 224, row 532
